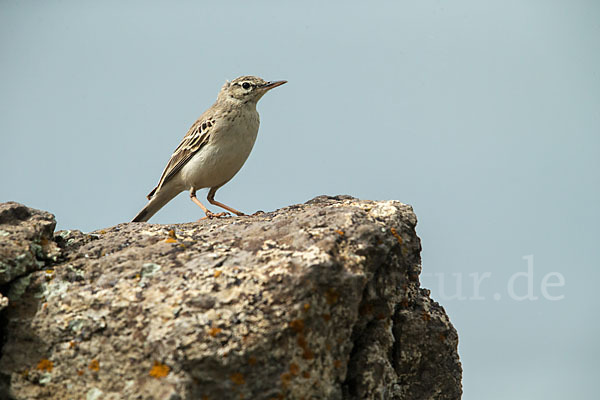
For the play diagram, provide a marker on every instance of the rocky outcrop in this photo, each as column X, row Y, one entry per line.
column 314, row 301
column 26, row 244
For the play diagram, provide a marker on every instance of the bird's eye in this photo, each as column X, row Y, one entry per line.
column 246, row 85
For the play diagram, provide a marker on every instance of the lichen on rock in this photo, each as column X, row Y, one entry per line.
column 318, row 300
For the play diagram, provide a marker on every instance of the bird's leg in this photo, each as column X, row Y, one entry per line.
column 211, row 200
column 206, row 211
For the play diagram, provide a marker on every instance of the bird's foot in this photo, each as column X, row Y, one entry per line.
column 211, row 215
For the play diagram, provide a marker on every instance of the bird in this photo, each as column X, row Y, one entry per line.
column 214, row 149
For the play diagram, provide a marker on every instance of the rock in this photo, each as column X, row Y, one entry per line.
column 25, row 240
column 314, row 301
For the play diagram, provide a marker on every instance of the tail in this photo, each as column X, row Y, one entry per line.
column 157, row 201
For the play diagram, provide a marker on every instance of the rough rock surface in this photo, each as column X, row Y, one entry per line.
column 313, row 301
column 26, row 242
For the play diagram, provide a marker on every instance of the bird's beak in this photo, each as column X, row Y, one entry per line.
column 272, row 84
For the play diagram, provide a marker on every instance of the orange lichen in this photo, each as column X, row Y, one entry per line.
column 396, row 235
column 79, row 372
column 426, row 316
column 308, row 354
column 339, row 232
column 237, row 378
column 217, row 273
column 252, row 360
column 214, row 331
column 45, row 365
column 297, row 325
column 337, row 363
column 286, row 378
column 294, row 369
column 301, row 341
column 94, row 365
column 332, row 296
column 306, row 374
column 159, row 370
column 172, row 237
column 306, row 306
column 326, row 317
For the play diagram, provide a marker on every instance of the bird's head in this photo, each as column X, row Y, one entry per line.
column 247, row 89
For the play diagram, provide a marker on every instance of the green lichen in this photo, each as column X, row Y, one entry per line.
column 45, row 378
column 18, row 287
column 149, row 269
column 75, row 325
column 94, row 394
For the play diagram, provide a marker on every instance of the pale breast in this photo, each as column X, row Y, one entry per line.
column 222, row 157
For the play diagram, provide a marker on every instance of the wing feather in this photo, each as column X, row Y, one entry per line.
column 197, row 136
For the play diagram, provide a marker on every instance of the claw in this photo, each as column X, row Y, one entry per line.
column 211, row 215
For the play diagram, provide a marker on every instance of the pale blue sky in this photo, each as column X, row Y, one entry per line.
column 483, row 115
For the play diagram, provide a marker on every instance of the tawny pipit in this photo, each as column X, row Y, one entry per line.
column 214, row 149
